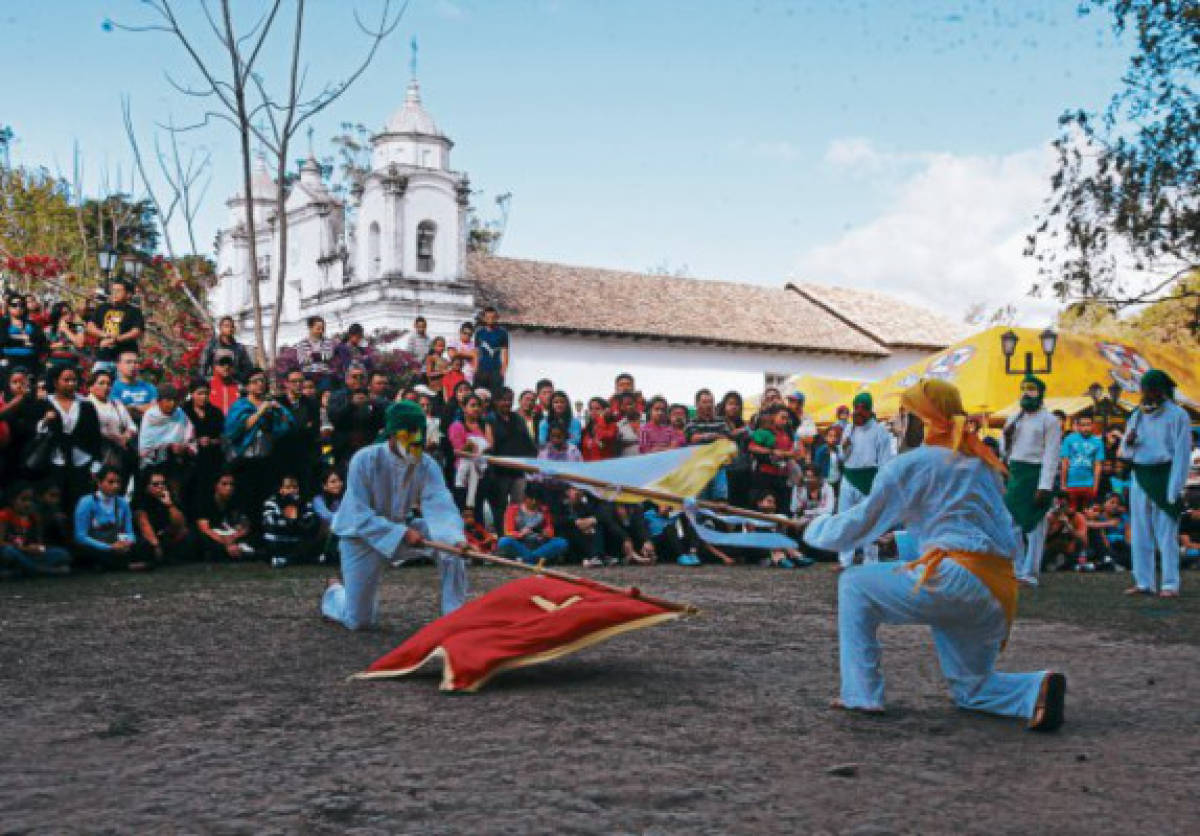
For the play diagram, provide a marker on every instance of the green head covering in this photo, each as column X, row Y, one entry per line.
column 764, row 438
column 1036, row 381
column 865, row 399
column 1158, row 379
column 404, row 415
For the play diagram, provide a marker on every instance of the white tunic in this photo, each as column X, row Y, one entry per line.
column 867, row 446
column 912, row 491
column 1164, row 435
column 1037, row 439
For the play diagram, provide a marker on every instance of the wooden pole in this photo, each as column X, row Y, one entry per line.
column 631, row 591
column 649, row 493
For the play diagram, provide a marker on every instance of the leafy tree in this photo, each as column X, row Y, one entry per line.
column 1122, row 223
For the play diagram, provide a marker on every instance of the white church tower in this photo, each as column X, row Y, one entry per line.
column 405, row 256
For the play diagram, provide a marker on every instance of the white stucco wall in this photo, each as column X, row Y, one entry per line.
column 586, row 366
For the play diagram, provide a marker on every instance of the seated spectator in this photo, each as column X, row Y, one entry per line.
column 557, row 449
column 289, row 524
column 478, row 537
column 813, row 498
column 136, row 394
column 668, row 531
column 1102, row 553
column 529, row 533
column 656, row 434
column 561, row 415
column 418, row 342
column 104, row 536
column 224, row 344
column 162, row 528
column 167, row 440
column 253, row 428
column 208, row 426
column 223, row 388
column 779, row 558
column 352, row 351
column 579, row 523
column 599, row 437
column 224, row 529
column 625, row 527
column 1065, row 538
column 1189, row 531
column 1120, row 481
column 66, row 336
column 23, row 545
column 57, row 525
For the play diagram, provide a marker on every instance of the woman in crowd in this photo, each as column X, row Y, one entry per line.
column 66, row 336
column 73, row 424
column 561, row 415
column 467, row 436
column 23, row 546
column 166, row 440
column 738, row 471
column 117, row 429
column 104, row 536
column 657, row 434
column 253, row 427
column 208, row 424
column 161, row 527
column 21, row 340
column 20, row 414
column 325, row 504
column 600, row 434
column 224, row 529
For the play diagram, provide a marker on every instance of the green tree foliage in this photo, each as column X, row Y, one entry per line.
column 36, row 217
column 1122, row 223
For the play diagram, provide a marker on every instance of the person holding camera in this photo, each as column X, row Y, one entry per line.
column 255, row 425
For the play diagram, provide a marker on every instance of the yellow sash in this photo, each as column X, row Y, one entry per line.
column 993, row 571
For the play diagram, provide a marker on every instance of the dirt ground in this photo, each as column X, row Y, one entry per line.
column 214, row 700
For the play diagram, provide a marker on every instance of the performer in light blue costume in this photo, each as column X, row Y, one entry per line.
column 1158, row 439
column 866, row 447
column 386, row 481
column 948, row 494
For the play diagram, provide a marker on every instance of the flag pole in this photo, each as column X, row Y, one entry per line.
column 630, row 591
column 653, row 494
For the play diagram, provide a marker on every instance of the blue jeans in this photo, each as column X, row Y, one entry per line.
column 52, row 561
column 553, row 548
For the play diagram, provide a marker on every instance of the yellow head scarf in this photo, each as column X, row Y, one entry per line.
column 939, row 405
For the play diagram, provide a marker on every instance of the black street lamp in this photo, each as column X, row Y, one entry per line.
column 1008, row 345
column 107, row 257
column 1106, row 402
column 132, row 266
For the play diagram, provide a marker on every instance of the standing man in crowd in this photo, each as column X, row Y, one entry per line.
column 1082, row 461
column 117, row 325
column 866, row 447
column 385, row 482
column 1158, row 439
column 314, row 353
column 491, row 346
column 508, row 435
column 225, row 344
column 1033, row 441
column 351, row 351
column 418, row 340
column 223, row 388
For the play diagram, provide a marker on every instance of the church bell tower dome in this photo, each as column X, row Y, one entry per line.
column 412, row 117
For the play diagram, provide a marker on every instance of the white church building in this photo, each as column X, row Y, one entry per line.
column 406, row 254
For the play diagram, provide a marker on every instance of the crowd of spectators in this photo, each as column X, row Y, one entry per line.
column 102, row 469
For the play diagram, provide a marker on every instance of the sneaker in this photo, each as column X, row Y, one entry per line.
column 802, row 562
column 786, row 563
column 593, row 562
column 688, row 559
column 279, row 562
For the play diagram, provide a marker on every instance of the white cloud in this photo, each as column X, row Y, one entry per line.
column 953, row 234
column 449, row 10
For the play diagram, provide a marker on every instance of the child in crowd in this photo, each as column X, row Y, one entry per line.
column 1065, row 547
column 1102, row 547
column 288, row 522
column 224, row 529
column 778, row 558
column 529, row 532
column 104, row 525
column 478, row 537
column 325, row 504
column 23, row 547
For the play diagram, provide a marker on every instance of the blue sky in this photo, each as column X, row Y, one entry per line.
column 893, row 145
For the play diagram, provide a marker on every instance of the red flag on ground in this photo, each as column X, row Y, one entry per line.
column 523, row 622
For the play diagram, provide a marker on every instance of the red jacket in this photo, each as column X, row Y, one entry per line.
column 511, row 528
column 599, row 441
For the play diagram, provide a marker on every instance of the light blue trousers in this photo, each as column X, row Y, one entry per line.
column 1029, row 561
column 355, row 602
column 848, row 497
column 1151, row 527
column 968, row 628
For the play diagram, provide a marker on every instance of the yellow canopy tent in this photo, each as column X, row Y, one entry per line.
column 976, row 366
column 823, row 394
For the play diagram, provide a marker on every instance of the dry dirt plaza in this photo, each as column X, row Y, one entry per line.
column 213, row 699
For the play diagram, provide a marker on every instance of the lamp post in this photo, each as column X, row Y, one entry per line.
column 1105, row 401
column 1008, row 345
column 107, row 257
column 132, row 267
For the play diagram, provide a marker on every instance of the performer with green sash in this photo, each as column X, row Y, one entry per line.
column 1032, row 440
column 866, row 447
column 1158, row 440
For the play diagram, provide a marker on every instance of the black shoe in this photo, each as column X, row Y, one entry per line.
column 1049, row 714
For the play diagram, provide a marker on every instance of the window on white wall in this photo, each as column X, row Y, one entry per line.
column 427, row 158
column 775, row 379
column 426, row 232
column 373, row 260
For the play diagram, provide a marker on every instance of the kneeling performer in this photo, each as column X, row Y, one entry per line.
column 386, row 481
column 950, row 497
